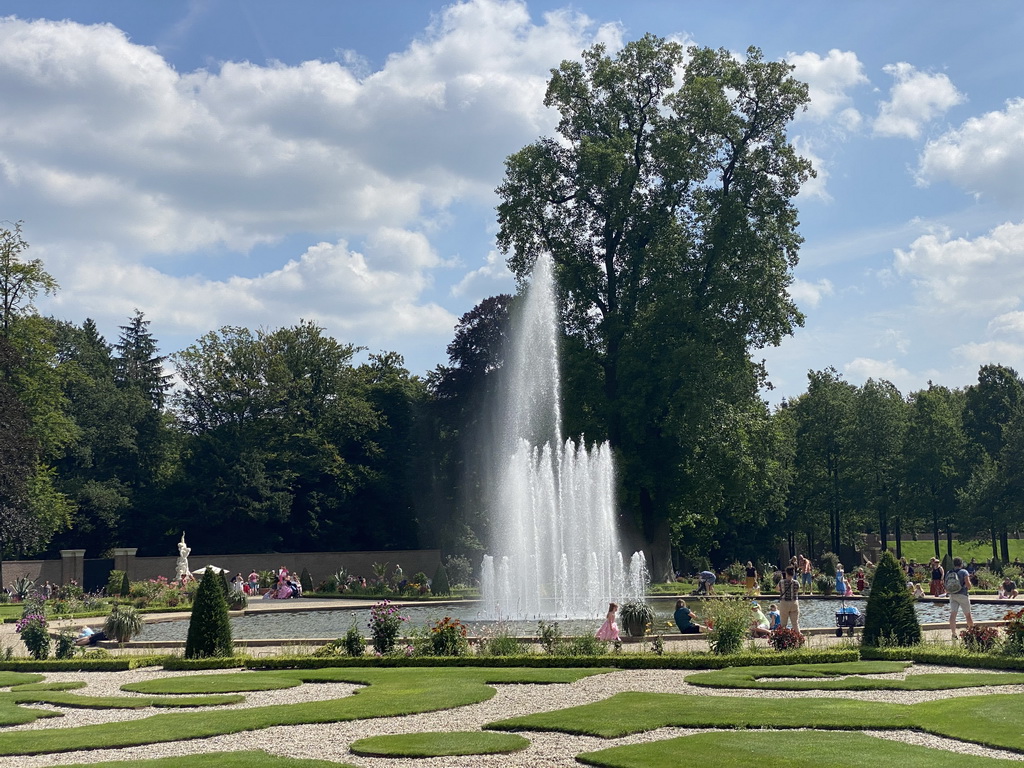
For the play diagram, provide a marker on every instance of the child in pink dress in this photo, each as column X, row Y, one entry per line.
column 609, row 630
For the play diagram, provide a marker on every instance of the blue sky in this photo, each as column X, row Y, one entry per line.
column 253, row 163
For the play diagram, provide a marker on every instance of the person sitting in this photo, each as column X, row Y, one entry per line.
column 774, row 617
column 915, row 589
column 759, row 625
column 686, row 619
column 1008, row 590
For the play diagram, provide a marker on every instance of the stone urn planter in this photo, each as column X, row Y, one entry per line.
column 636, row 617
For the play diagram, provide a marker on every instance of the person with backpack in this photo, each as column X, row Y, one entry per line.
column 957, row 583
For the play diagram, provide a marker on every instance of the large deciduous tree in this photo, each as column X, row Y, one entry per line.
column 668, row 211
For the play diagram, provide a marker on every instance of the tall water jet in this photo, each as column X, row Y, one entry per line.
column 555, row 543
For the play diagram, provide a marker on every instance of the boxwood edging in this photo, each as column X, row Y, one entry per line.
column 106, row 664
column 951, row 657
column 625, row 661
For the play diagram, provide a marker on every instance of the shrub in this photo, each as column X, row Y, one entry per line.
column 440, row 584
column 996, row 565
column 549, row 635
column 735, row 572
column 786, row 639
column 828, row 564
column 114, row 583
column 385, row 621
column 332, row 649
column 306, row 581
column 419, row 583
column 890, row 618
column 209, row 630
column 32, row 628
column 583, row 645
column 947, row 563
column 1014, row 629
column 237, row 600
column 267, row 579
column 448, row 638
column 728, row 622
column 353, row 641
column 65, row 646
column 459, row 570
column 979, row 639
column 123, row 623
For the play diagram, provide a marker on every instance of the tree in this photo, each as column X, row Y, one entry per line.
column 137, row 364
column 879, row 421
column 668, row 213
column 891, row 617
column 935, row 459
column 822, row 481
column 20, row 280
column 209, row 629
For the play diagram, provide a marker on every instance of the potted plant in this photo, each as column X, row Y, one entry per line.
column 637, row 617
column 123, row 623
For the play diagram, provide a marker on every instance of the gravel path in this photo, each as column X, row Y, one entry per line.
column 330, row 742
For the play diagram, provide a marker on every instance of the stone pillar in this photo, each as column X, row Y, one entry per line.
column 72, row 566
column 124, row 560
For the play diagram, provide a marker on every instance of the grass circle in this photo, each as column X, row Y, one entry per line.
column 434, row 744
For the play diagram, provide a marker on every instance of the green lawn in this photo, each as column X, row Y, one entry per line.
column 992, row 720
column 823, row 677
column 922, row 551
column 449, row 744
column 248, row 759
column 803, row 749
column 390, row 692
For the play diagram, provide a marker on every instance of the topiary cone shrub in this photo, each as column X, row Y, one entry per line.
column 891, row 619
column 126, row 586
column 209, row 630
column 440, row 584
column 306, row 582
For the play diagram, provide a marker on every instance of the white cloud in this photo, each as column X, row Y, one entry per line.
column 976, row 354
column 863, row 368
column 975, row 276
column 915, row 99
column 816, row 185
column 124, row 168
column 809, row 294
column 1009, row 323
column 984, row 156
column 493, row 277
column 829, row 80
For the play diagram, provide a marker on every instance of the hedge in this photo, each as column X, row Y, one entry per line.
column 950, row 656
column 104, row 664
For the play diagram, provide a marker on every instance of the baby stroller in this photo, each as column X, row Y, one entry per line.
column 848, row 617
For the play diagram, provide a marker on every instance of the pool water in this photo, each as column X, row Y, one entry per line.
column 334, row 623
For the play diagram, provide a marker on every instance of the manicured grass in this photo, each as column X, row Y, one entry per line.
column 247, row 759
column 921, row 551
column 391, row 692
column 803, row 749
column 69, row 686
column 992, row 720
column 12, row 713
column 632, row 712
column 235, row 682
column 439, row 744
column 19, row 678
column 821, row 677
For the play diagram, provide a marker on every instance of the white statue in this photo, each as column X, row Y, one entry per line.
column 181, row 570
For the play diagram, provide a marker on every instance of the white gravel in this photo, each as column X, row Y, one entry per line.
column 330, row 742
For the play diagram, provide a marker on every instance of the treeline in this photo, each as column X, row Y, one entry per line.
column 947, row 462
column 277, row 440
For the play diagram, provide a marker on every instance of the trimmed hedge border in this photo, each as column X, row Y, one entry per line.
column 949, row 657
column 694, row 661
column 107, row 664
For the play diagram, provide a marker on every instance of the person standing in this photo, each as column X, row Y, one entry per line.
column 751, row 577
column 937, row 576
column 789, row 605
column 957, row 583
column 610, row 629
column 805, row 573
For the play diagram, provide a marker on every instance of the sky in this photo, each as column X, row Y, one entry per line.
column 254, row 163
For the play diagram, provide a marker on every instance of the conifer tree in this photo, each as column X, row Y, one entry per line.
column 440, row 585
column 891, row 618
column 209, row 631
column 137, row 362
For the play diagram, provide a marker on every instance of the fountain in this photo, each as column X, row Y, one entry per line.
column 557, row 551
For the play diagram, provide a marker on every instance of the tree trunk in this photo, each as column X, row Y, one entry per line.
column 1004, row 545
column 898, row 533
column 949, row 542
column 883, row 528
column 995, row 544
column 935, row 531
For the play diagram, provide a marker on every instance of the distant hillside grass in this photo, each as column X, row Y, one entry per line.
column 922, row 551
